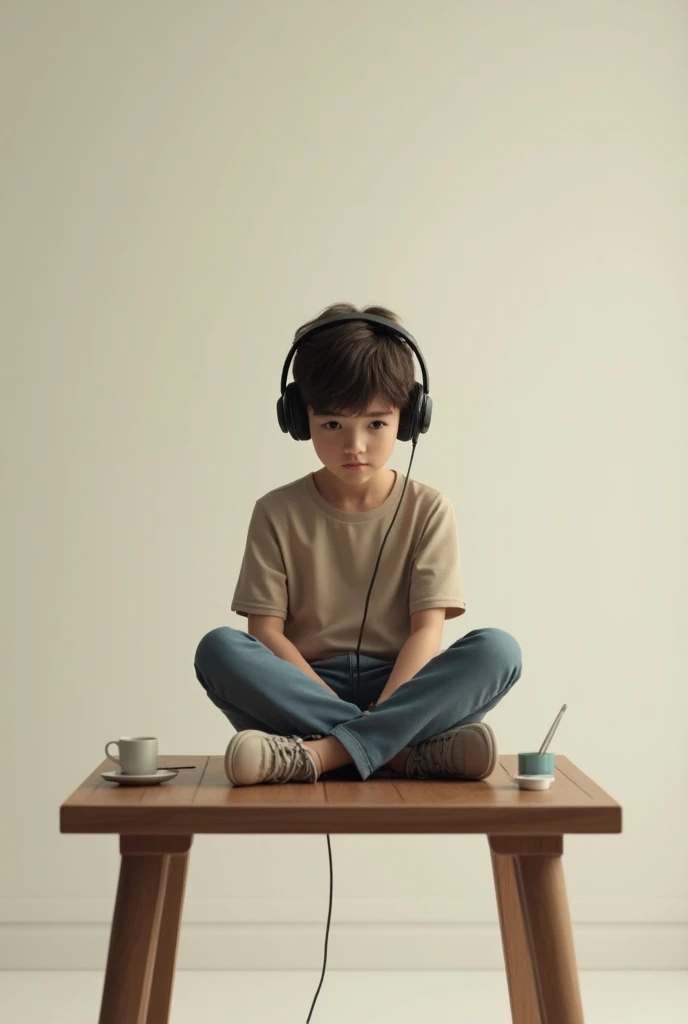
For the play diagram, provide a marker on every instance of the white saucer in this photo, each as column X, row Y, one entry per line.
column 162, row 775
column 534, row 781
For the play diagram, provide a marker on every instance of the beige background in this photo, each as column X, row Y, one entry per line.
column 183, row 184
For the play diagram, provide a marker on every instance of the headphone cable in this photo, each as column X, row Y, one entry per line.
column 327, row 931
column 358, row 648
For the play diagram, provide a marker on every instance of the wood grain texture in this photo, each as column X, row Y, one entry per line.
column 525, row 830
column 545, row 910
column 203, row 801
column 134, row 939
column 168, row 940
column 519, row 974
column 145, row 930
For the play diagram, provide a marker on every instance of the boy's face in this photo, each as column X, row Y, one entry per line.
column 341, row 440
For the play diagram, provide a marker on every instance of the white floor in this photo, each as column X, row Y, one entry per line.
column 375, row 997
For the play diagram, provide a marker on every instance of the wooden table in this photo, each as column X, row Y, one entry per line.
column 525, row 831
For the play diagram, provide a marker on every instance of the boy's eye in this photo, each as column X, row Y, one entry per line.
column 336, row 424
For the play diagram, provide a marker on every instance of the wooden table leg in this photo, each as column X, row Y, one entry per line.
column 519, row 974
column 539, row 879
column 163, row 972
column 139, row 909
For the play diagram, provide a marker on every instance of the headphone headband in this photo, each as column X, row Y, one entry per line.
column 391, row 325
column 414, row 418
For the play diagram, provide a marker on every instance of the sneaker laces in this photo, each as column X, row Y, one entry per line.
column 431, row 757
column 291, row 762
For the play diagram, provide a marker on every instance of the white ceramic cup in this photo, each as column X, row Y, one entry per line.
column 138, row 755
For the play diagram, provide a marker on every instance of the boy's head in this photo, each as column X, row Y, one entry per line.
column 355, row 378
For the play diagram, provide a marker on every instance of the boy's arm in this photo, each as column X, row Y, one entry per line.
column 423, row 644
column 269, row 629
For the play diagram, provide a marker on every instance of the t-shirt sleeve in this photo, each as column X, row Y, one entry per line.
column 436, row 570
column 262, row 585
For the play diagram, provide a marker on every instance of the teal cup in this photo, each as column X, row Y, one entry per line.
column 536, row 764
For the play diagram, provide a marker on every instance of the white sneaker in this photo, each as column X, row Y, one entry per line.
column 253, row 757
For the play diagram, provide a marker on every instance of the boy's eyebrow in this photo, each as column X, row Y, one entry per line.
column 375, row 412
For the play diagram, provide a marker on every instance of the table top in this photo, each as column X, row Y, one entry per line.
column 202, row 800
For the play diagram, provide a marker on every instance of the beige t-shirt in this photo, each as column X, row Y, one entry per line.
column 311, row 564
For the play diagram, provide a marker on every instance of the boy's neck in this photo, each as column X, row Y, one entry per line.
column 345, row 498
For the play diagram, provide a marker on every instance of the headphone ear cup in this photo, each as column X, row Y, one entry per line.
column 426, row 415
column 415, row 416
column 281, row 418
column 405, row 423
column 296, row 413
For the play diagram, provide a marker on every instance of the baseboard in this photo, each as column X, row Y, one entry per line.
column 474, row 908
column 352, row 946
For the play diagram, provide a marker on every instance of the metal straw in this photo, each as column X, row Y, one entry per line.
column 548, row 738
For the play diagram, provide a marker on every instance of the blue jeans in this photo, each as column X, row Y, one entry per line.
column 256, row 689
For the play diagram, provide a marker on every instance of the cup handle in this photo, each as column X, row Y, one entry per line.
column 111, row 756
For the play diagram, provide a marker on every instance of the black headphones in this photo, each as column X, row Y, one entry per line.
column 414, row 419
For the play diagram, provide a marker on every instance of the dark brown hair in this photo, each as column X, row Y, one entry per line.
column 343, row 367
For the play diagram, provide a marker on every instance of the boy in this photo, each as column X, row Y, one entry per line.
column 288, row 684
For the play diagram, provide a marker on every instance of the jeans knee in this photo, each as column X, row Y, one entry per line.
column 219, row 639
column 505, row 650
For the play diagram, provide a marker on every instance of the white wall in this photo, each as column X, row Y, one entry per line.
column 184, row 184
